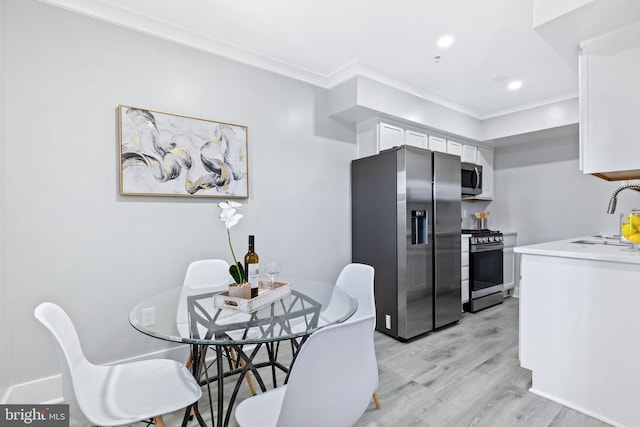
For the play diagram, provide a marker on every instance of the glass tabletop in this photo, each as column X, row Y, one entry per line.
column 188, row 315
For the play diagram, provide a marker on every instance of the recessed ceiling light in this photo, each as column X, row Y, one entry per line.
column 514, row 85
column 445, row 41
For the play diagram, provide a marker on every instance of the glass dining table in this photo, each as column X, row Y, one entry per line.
column 188, row 315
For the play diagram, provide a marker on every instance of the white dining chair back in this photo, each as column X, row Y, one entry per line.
column 357, row 281
column 114, row 394
column 205, row 275
column 326, row 387
column 212, row 273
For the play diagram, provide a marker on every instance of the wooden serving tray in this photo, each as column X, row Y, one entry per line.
column 265, row 296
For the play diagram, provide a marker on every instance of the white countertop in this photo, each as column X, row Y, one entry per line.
column 606, row 250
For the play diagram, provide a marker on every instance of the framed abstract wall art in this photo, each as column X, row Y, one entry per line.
column 164, row 154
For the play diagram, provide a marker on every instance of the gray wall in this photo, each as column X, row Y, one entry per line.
column 4, row 350
column 70, row 238
column 541, row 194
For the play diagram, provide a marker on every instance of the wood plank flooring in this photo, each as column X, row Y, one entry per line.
column 464, row 375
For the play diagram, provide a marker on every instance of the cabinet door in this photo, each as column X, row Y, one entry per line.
column 610, row 104
column 469, row 154
column 509, row 263
column 465, row 291
column 437, row 144
column 389, row 136
column 416, row 139
column 509, row 268
column 464, row 263
column 485, row 159
column 454, row 148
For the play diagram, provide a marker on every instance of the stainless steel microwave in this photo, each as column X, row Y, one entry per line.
column 471, row 179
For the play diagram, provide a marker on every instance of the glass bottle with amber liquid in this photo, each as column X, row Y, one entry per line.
column 252, row 267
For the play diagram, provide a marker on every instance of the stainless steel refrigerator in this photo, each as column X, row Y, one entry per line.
column 406, row 224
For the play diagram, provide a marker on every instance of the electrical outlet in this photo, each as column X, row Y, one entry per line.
column 148, row 316
column 387, row 321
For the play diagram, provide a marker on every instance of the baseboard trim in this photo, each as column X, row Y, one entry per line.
column 48, row 390
column 576, row 407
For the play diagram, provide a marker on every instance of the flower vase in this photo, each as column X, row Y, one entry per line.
column 242, row 290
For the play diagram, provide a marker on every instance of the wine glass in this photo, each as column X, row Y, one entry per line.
column 273, row 268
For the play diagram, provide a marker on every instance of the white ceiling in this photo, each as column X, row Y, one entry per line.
column 325, row 42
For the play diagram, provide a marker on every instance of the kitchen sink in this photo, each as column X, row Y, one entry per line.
column 601, row 240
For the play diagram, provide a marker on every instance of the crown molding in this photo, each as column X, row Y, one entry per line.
column 128, row 18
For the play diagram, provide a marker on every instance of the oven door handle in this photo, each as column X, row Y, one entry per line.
column 486, row 247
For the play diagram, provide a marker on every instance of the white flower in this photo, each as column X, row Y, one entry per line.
column 230, row 217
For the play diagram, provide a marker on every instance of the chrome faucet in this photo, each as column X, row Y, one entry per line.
column 614, row 197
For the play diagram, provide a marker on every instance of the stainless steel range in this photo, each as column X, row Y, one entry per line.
column 486, row 281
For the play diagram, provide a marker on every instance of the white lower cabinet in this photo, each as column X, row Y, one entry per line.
column 464, row 262
column 509, row 263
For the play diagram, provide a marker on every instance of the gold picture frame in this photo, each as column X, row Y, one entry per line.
column 166, row 154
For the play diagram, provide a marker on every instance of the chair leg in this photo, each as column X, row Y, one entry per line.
column 159, row 422
column 188, row 362
column 247, row 376
column 376, row 400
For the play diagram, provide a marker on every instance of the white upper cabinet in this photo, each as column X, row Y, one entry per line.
column 610, row 105
column 389, row 136
column 376, row 135
column 485, row 159
column 469, row 154
column 416, row 139
column 454, row 148
column 437, row 144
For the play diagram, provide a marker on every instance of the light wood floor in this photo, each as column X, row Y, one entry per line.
column 464, row 375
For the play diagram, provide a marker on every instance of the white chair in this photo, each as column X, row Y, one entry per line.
column 209, row 273
column 115, row 394
column 326, row 387
column 206, row 275
column 357, row 280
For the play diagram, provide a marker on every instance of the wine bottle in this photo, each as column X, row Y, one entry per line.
column 252, row 267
